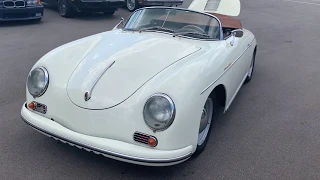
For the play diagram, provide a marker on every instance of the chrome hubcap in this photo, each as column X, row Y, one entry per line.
column 131, row 4
column 62, row 6
column 206, row 118
column 251, row 68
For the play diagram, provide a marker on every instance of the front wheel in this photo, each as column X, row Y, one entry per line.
column 206, row 121
column 64, row 8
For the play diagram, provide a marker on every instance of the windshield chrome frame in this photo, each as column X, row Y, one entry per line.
column 184, row 9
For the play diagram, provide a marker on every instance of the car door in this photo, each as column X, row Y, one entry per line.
column 236, row 53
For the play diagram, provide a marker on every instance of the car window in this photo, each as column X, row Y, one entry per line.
column 177, row 21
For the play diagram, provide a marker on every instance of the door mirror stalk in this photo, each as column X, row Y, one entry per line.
column 236, row 33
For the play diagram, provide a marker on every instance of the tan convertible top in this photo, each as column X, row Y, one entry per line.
column 227, row 21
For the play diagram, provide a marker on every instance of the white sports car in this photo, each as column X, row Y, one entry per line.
column 145, row 93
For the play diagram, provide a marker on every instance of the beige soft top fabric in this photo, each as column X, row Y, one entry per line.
column 228, row 22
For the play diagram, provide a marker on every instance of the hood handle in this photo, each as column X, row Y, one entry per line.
column 88, row 93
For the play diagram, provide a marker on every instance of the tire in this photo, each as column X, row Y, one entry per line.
column 250, row 71
column 110, row 13
column 36, row 20
column 209, row 111
column 132, row 5
column 65, row 9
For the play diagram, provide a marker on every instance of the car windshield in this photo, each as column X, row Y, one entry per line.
column 176, row 21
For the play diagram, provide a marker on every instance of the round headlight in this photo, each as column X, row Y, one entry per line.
column 38, row 81
column 32, row 2
column 159, row 112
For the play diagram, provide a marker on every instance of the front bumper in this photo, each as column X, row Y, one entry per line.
column 97, row 5
column 114, row 149
column 160, row 2
column 27, row 13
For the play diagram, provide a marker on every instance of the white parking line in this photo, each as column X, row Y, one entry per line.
column 303, row 2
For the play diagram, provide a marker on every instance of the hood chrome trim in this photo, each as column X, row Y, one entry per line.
column 88, row 93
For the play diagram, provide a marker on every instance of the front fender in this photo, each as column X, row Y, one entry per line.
column 183, row 82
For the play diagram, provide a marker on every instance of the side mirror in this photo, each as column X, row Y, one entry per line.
column 236, row 33
column 121, row 22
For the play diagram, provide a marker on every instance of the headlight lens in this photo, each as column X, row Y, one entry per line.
column 159, row 112
column 38, row 81
column 33, row 2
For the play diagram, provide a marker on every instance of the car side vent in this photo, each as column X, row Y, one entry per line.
column 142, row 138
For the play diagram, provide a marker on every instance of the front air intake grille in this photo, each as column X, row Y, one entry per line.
column 20, row 3
column 13, row 4
column 142, row 138
column 8, row 4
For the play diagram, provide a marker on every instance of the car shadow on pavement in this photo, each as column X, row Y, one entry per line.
column 104, row 165
column 19, row 23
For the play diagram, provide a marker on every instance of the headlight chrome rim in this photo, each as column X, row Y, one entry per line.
column 46, row 81
column 172, row 116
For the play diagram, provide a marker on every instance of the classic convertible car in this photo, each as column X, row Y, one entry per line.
column 147, row 91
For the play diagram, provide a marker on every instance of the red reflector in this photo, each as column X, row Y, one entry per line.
column 31, row 105
column 38, row 107
column 152, row 141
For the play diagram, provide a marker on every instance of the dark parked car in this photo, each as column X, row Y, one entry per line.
column 67, row 8
column 20, row 10
column 132, row 5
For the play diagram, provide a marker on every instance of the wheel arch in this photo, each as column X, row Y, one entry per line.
column 221, row 94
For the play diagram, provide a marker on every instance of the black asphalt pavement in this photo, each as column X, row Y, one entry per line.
column 271, row 131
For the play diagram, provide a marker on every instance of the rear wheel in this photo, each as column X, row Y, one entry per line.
column 207, row 116
column 64, row 8
column 250, row 71
column 36, row 20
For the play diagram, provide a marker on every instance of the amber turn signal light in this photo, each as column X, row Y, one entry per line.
column 152, row 141
column 31, row 105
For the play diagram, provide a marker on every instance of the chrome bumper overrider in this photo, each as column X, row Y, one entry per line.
column 111, row 154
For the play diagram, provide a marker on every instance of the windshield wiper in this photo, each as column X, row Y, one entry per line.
column 193, row 33
column 156, row 28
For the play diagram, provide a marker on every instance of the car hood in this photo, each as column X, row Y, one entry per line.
column 121, row 63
